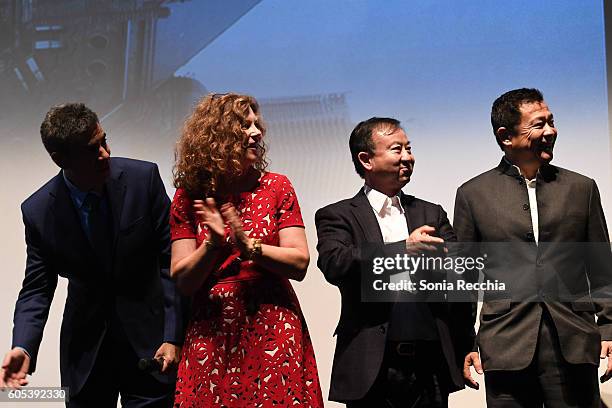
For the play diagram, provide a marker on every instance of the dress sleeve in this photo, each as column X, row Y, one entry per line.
column 182, row 221
column 288, row 212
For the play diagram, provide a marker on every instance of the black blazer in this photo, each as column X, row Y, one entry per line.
column 557, row 274
column 137, row 286
column 343, row 228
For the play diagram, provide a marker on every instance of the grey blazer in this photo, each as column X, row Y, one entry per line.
column 558, row 273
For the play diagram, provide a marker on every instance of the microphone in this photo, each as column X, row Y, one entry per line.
column 150, row 365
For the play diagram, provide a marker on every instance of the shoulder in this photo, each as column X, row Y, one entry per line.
column 412, row 201
column 132, row 166
column 339, row 207
column 275, row 179
column 276, row 183
column 180, row 194
column 565, row 175
column 39, row 199
column 482, row 180
column 416, row 208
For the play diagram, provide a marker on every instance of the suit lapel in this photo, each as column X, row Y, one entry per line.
column 69, row 233
column 363, row 213
column 362, row 210
column 409, row 209
column 116, row 188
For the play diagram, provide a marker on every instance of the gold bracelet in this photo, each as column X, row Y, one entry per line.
column 210, row 245
column 255, row 249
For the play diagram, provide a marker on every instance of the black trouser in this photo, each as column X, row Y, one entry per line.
column 413, row 374
column 116, row 372
column 548, row 381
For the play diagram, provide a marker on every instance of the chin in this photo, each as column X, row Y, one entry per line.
column 405, row 178
column 546, row 158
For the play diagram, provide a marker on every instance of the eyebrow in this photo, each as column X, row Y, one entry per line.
column 397, row 142
column 542, row 117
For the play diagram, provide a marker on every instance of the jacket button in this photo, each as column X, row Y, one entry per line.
column 526, row 207
column 529, row 236
column 382, row 329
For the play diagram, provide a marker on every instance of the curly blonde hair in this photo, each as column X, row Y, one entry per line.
column 212, row 146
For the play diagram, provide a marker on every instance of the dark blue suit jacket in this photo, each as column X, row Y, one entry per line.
column 132, row 283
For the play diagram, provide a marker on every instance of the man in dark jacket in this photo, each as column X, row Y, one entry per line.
column 388, row 354
column 102, row 224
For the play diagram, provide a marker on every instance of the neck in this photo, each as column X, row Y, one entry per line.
column 81, row 184
column 529, row 168
column 389, row 192
column 246, row 182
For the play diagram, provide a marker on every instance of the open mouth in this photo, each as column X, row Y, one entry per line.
column 548, row 148
column 253, row 146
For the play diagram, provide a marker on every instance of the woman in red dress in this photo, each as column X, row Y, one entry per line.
column 238, row 237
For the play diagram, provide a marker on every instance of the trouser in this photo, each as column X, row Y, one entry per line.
column 412, row 374
column 548, row 381
column 115, row 373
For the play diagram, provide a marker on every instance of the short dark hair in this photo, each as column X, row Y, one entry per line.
column 361, row 138
column 67, row 125
column 506, row 109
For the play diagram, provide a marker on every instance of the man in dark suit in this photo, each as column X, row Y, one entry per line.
column 388, row 354
column 539, row 343
column 101, row 223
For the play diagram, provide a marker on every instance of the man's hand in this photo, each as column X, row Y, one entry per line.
column 606, row 351
column 472, row 359
column 170, row 356
column 15, row 368
column 420, row 240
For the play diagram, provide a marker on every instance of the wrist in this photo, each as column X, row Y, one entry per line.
column 213, row 242
column 253, row 248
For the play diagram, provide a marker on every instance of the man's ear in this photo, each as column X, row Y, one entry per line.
column 364, row 159
column 503, row 136
column 60, row 159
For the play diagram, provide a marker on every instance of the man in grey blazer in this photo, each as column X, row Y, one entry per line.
column 541, row 346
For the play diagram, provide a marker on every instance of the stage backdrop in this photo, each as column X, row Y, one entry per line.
column 318, row 68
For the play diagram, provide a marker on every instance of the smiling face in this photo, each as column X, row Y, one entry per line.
column 253, row 136
column 533, row 139
column 390, row 166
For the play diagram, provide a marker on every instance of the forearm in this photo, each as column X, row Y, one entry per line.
column 291, row 263
column 191, row 271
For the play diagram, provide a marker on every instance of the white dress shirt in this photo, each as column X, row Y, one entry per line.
column 533, row 203
column 389, row 214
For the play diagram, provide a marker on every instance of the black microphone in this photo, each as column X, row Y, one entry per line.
column 150, row 365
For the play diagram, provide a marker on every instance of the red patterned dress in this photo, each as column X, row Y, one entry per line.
column 247, row 344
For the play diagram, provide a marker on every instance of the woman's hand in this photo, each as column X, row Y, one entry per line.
column 239, row 237
column 207, row 213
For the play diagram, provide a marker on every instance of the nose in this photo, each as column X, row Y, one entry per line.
column 407, row 155
column 550, row 133
column 104, row 153
column 254, row 131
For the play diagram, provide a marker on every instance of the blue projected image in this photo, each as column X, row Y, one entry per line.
column 317, row 68
column 435, row 65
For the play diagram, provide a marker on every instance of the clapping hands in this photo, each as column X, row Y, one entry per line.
column 215, row 221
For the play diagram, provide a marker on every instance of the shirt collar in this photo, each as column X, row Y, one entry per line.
column 77, row 195
column 520, row 172
column 378, row 200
